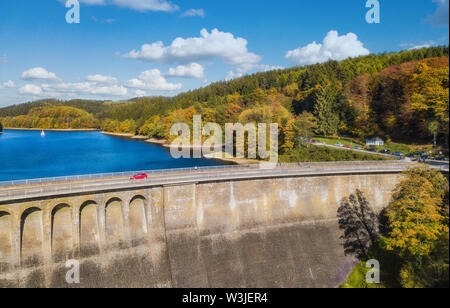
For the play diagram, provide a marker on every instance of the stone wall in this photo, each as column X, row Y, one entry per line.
column 262, row 233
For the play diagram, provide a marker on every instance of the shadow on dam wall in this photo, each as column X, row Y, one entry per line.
column 250, row 234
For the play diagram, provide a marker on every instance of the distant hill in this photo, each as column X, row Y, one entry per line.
column 92, row 106
column 53, row 117
column 375, row 95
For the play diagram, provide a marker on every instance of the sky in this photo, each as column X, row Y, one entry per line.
column 122, row 49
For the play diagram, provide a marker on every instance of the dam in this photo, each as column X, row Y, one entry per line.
column 232, row 227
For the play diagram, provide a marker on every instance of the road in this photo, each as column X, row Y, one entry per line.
column 354, row 150
column 430, row 162
column 21, row 192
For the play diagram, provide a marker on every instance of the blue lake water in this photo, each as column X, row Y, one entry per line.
column 28, row 155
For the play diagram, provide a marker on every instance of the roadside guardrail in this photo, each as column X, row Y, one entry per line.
column 194, row 176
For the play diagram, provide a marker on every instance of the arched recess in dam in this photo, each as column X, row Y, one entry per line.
column 89, row 229
column 32, row 237
column 62, row 232
column 6, row 247
column 138, row 220
column 114, row 222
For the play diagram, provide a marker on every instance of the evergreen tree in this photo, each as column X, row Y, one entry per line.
column 327, row 117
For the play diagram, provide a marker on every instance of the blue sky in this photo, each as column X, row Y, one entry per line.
column 127, row 48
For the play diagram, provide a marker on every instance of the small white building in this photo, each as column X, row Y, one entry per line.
column 378, row 142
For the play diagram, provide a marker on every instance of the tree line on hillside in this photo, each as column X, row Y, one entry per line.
column 400, row 96
column 98, row 108
column 54, row 117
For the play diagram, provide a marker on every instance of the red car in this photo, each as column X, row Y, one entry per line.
column 139, row 176
column 348, row 147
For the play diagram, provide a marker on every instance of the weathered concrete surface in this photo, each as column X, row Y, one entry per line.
column 261, row 233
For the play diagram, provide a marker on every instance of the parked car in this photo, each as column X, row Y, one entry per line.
column 373, row 150
column 139, row 176
column 385, row 151
column 347, row 147
column 339, row 145
column 397, row 154
column 357, row 148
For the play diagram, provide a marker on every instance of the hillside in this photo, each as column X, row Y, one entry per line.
column 53, row 117
column 97, row 108
column 396, row 96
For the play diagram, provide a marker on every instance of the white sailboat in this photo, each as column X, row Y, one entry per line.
column 42, row 134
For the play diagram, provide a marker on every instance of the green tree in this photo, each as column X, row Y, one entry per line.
column 305, row 125
column 433, row 128
column 327, row 118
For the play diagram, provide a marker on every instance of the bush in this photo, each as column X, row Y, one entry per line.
column 311, row 153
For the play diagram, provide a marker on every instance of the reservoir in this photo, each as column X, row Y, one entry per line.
column 30, row 155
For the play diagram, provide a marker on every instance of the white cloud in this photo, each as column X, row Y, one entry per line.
column 93, row 2
column 108, row 20
column 441, row 16
column 194, row 12
column 334, row 47
column 256, row 68
column 95, row 85
column 31, row 89
column 232, row 75
column 84, row 88
column 39, row 73
column 420, row 47
column 140, row 93
column 266, row 68
column 138, row 5
column 146, row 5
column 152, row 80
column 192, row 70
column 215, row 45
column 98, row 85
column 8, row 85
column 101, row 79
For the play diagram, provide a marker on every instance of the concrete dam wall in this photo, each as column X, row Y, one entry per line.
column 278, row 232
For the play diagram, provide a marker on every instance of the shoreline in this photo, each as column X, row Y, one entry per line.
column 123, row 135
column 55, row 129
column 164, row 143
column 159, row 142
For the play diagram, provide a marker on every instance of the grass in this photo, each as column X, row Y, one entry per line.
column 357, row 279
column 333, row 141
column 311, row 153
column 397, row 147
column 393, row 147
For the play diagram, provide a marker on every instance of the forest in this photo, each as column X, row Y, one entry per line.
column 53, row 117
column 401, row 97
